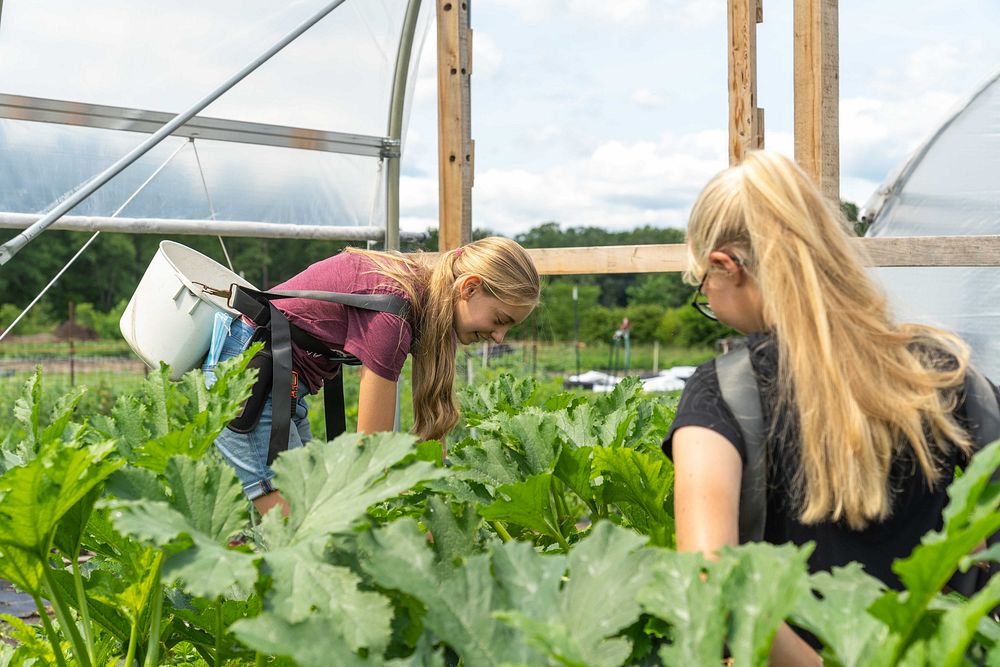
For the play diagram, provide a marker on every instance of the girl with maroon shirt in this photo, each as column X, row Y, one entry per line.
column 474, row 293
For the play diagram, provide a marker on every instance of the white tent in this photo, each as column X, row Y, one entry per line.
column 307, row 145
column 949, row 187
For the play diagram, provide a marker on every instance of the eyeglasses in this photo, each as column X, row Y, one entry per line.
column 700, row 302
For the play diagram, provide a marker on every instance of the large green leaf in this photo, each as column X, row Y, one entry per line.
column 126, row 424
column 307, row 589
column 330, row 485
column 971, row 516
column 530, row 504
column 105, row 615
column 309, row 643
column 487, row 460
column 460, row 600
column 686, row 590
column 761, row 591
column 575, row 470
column 130, row 483
column 22, row 567
column 69, row 533
column 607, row 570
column 205, row 567
column 958, row 626
column 641, row 485
column 507, row 395
column 533, row 435
column 205, row 508
column 27, row 409
column 184, row 418
column 755, row 586
column 62, row 414
column 208, row 494
column 454, row 537
column 838, row 616
column 35, row 497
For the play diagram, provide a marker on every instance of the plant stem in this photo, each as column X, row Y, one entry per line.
column 554, row 503
column 258, row 660
column 504, row 535
column 81, row 598
column 153, row 651
column 219, row 632
column 49, row 630
column 133, row 639
column 65, row 619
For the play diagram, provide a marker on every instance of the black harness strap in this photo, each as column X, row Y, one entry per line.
column 257, row 306
column 739, row 390
column 281, row 384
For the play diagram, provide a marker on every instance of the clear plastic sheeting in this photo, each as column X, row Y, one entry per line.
column 949, row 187
column 40, row 164
column 336, row 77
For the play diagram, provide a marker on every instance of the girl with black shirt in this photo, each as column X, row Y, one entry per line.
column 865, row 417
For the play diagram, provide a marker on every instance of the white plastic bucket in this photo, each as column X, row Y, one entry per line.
column 170, row 317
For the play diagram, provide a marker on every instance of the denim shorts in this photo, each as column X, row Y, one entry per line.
column 247, row 452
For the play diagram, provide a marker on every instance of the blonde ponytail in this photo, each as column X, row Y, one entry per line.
column 858, row 385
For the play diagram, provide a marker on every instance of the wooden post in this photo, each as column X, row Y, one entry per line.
column 455, row 147
column 746, row 120
column 817, row 93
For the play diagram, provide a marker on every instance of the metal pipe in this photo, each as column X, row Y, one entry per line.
column 79, row 223
column 11, row 247
column 396, row 105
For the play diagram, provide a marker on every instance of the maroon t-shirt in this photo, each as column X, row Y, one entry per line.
column 380, row 340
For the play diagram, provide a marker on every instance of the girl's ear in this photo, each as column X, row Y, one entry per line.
column 723, row 261
column 469, row 287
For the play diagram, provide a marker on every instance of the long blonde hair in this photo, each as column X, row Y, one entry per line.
column 860, row 386
column 507, row 273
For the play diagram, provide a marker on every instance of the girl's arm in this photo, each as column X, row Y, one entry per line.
column 376, row 403
column 707, row 475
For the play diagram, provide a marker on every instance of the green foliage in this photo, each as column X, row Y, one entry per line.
column 544, row 542
column 105, row 324
column 666, row 290
column 38, row 320
column 686, row 327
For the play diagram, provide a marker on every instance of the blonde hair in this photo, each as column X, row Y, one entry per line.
column 859, row 386
column 507, row 273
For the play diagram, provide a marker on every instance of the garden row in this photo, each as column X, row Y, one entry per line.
column 543, row 538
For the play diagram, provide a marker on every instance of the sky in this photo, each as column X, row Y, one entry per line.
column 615, row 114
column 608, row 113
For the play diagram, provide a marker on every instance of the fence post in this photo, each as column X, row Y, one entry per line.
column 72, row 349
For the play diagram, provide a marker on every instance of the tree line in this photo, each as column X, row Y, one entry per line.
column 102, row 280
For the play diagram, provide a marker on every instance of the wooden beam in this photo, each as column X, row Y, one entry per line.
column 746, row 120
column 454, row 125
column 932, row 250
column 817, row 93
column 670, row 257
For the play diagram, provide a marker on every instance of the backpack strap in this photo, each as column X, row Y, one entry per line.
column 981, row 409
column 741, row 395
column 253, row 303
column 257, row 305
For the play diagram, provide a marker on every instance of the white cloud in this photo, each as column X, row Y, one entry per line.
column 645, row 97
column 628, row 12
column 531, row 11
column 487, row 57
column 693, row 14
column 620, row 185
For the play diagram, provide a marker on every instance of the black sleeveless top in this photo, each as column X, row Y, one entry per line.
column 916, row 509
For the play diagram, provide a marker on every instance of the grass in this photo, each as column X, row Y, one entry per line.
column 548, row 363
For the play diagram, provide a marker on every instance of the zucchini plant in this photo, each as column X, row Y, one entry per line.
column 544, row 537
